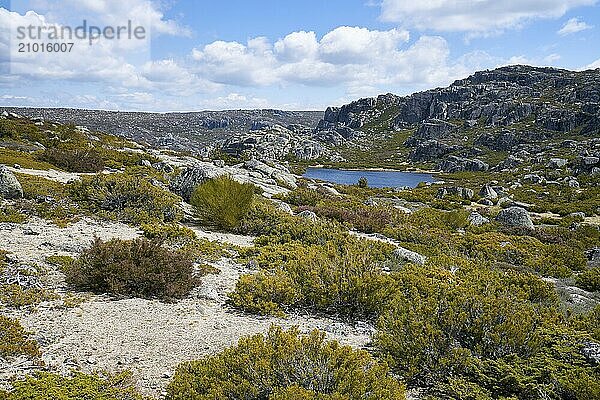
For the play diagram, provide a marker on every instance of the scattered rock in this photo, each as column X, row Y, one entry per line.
column 591, row 351
column 515, row 216
column 10, row 188
column 557, row 162
column 534, row 178
column 464, row 193
column 487, row 192
column 477, row 219
column 311, row 216
column 408, row 255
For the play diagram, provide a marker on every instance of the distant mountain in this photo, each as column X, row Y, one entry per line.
column 197, row 132
column 473, row 123
column 492, row 120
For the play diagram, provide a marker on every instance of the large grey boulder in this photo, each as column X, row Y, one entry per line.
column 10, row 188
column 515, row 216
column 431, row 150
column 476, row 219
column 277, row 172
column 185, row 183
column 464, row 193
column 487, row 192
column 409, row 255
column 457, row 164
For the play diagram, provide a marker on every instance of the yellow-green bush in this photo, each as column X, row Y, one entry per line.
column 137, row 268
column 47, row 386
column 589, row 280
column 74, row 160
column 18, row 297
column 10, row 214
column 282, row 365
column 14, row 341
column 438, row 319
column 274, row 226
column 557, row 370
column 345, row 280
column 303, row 197
column 125, row 197
column 222, row 202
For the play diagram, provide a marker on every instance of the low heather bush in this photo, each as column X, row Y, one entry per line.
column 136, row 268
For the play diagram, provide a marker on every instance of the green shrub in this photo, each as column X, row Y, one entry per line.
column 14, row 341
column 18, row 297
column 285, row 365
column 23, row 157
column 172, row 231
column 137, row 268
column 557, row 370
column 10, row 214
column 274, row 226
column 589, row 280
column 302, row 197
column 222, row 202
column 74, row 160
column 125, row 197
column 362, row 182
column 588, row 322
column 62, row 262
column 345, row 280
column 47, row 386
column 438, row 319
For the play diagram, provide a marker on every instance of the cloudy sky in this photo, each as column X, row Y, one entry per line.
column 309, row 54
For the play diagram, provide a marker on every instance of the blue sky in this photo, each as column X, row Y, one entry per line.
column 274, row 54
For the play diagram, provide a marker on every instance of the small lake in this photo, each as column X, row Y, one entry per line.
column 375, row 178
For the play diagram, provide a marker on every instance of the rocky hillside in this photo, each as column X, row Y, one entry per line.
column 196, row 132
column 473, row 124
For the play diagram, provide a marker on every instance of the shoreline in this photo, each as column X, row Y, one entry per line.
column 378, row 169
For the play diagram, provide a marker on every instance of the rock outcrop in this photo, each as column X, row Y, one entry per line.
column 10, row 188
column 515, row 217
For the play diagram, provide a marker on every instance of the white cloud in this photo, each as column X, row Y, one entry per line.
column 352, row 56
column 352, row 45
column 145, row 13
column 237, row 64
column 552, row 58
column 482, row 16
column 593, row 65
column 573, row 25
column 297, row 46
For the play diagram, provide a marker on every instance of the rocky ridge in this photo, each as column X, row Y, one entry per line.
column 530, row 112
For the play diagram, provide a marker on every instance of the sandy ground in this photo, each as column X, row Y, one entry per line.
column 53, row 175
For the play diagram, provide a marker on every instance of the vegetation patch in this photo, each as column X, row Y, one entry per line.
column 285, row 365
column 589, row 280
column 74, row 160
column 345, row 281
column 222, row 202
column 14, row 341
column 125, row 197
column 79, row 386
column 136, row 268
